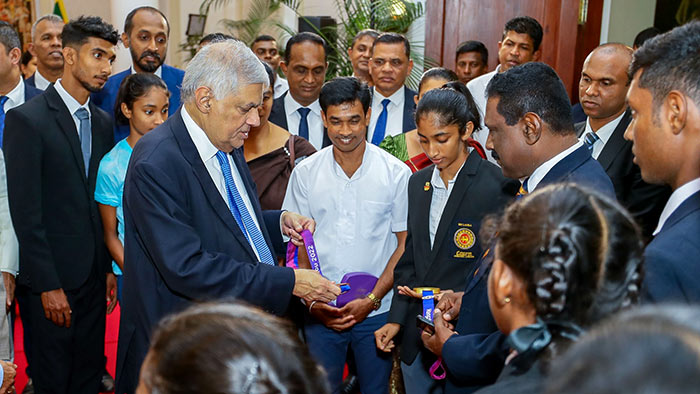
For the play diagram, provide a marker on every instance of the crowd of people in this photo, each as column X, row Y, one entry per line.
column 265, row 230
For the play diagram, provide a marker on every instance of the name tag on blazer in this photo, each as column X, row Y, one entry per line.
column 465, row 245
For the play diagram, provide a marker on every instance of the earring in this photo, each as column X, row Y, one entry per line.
column 506, row 300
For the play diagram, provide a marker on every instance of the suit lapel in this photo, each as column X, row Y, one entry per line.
column 423, row 198
column 690, row 205
column 616, row 142
column 409, row 107
column 566, row 165
column 67, row 126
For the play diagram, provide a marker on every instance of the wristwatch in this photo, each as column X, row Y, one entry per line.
column 377, row 302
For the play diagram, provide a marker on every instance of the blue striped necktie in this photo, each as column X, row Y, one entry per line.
column 590, row 139
column 241, row 214
column 380, row 127
column 3, row 100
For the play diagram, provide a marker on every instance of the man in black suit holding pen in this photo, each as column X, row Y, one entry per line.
column 602, row 91
column 53, row 145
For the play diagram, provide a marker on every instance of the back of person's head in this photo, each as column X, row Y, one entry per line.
column 670, row 61
column 393, row 38
column 441, row 73
column 229, row 349
column 215, row 37
column 78, row 31
column 304, row 37
column 222, row 67
column 452, row 104
column 525, row 25
column 654, row 349
column 132, row 88
column 474, row 46
column 644, row 35
column 9, row 38
column 270, row 74
column 364, row 33
column 532, row 87
column 344, row 90
column 577, row 253
column 26, row 58
column 129, row 21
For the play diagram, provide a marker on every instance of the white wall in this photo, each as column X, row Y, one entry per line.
column 623, row 19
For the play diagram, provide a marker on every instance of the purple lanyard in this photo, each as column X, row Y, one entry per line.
column 310, row 246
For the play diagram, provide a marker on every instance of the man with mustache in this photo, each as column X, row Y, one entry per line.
column 146, row 32
column 360, row 52
column 602, row 91
column 520, row 44
column 392, row 102
column 53, row 145
column 46, row 47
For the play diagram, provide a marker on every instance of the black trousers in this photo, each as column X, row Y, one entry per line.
column 70, row 360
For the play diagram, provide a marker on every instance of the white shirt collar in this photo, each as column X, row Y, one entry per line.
column 40, row 82
column 16, row 96
column 604, row 133
column 158, row 72
column 360, row 170
column 437, row 182
column 291, row 105
column 677, row 198
column 397, row 98
column 69, row 100
column 544, row 168
column 205, row 148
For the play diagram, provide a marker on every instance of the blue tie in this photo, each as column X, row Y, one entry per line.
column 241, row 214
column 3, row 100
column 590, row 139
column 380, row 128
column 85, row 136
column 523, row 190
column 304, row 123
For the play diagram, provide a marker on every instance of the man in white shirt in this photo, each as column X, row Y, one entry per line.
column 602, row 93
column 298, row 110
column 360, row 53
column 265, row 48
column 46, row 47
column 357, row 194
column 520, row 44
column 392, row 102
column 664, row 97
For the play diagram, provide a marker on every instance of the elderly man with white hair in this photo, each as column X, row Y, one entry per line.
column 194, row 228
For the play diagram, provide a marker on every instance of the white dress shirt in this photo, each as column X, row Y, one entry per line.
column 207, row 152
column 544, row 168
column 677, row 198
column 313, row 118
column 441, row 194
column 477, row 87
column 15, row 97
column 73, row 105
column 603, row 134
column 394, row 121
column 356, row 217
column 40, row 82
column 281, row 86
column 9, row 246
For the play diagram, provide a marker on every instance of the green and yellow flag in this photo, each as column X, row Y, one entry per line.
column 60, row 10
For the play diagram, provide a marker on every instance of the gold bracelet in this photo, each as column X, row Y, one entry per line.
column 377, row 302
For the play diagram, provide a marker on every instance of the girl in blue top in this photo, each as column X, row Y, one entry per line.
column 142, row 103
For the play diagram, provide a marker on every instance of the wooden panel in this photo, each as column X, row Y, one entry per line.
column 434, row 29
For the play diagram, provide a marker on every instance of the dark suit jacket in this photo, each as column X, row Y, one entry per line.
column 30, row 91
column 672, row 258
column 579, row 167
column 51, row 201
column 31, row 81
column 480, row 189
column 183, row 245
column 278, row 116
column 107, row 97
column 409, row 110
column 643, row 200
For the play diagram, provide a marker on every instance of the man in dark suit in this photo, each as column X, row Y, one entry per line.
column 146, row 32
column 298, row 110
column 602, row 93
column 46, row 47
column 53, row 146
column 533, row 139
column 194, row 227
column 392, row 102
column 665, row 101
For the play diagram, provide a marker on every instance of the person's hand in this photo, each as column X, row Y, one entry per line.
column 331, row 316
column 443, row 332
column 8, row 379
column 450, row 303
column 111, row 292
column 358, row 309
column 385, row 335
column 9, row 281
column 293, row 224
column 311, row 286
column 407, row 291
column 56, row 307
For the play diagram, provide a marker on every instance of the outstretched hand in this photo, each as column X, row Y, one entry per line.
column 293, row 224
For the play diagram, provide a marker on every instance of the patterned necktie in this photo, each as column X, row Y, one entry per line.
column 241, row 214
column 590, row 139
column 3, row 100
column 380, row 128
column 85, row 136
column 304, row 123
column 523, row 190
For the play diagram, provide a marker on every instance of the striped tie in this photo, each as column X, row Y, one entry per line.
column 241, row 214
column 590, row 140
column 523, row 190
